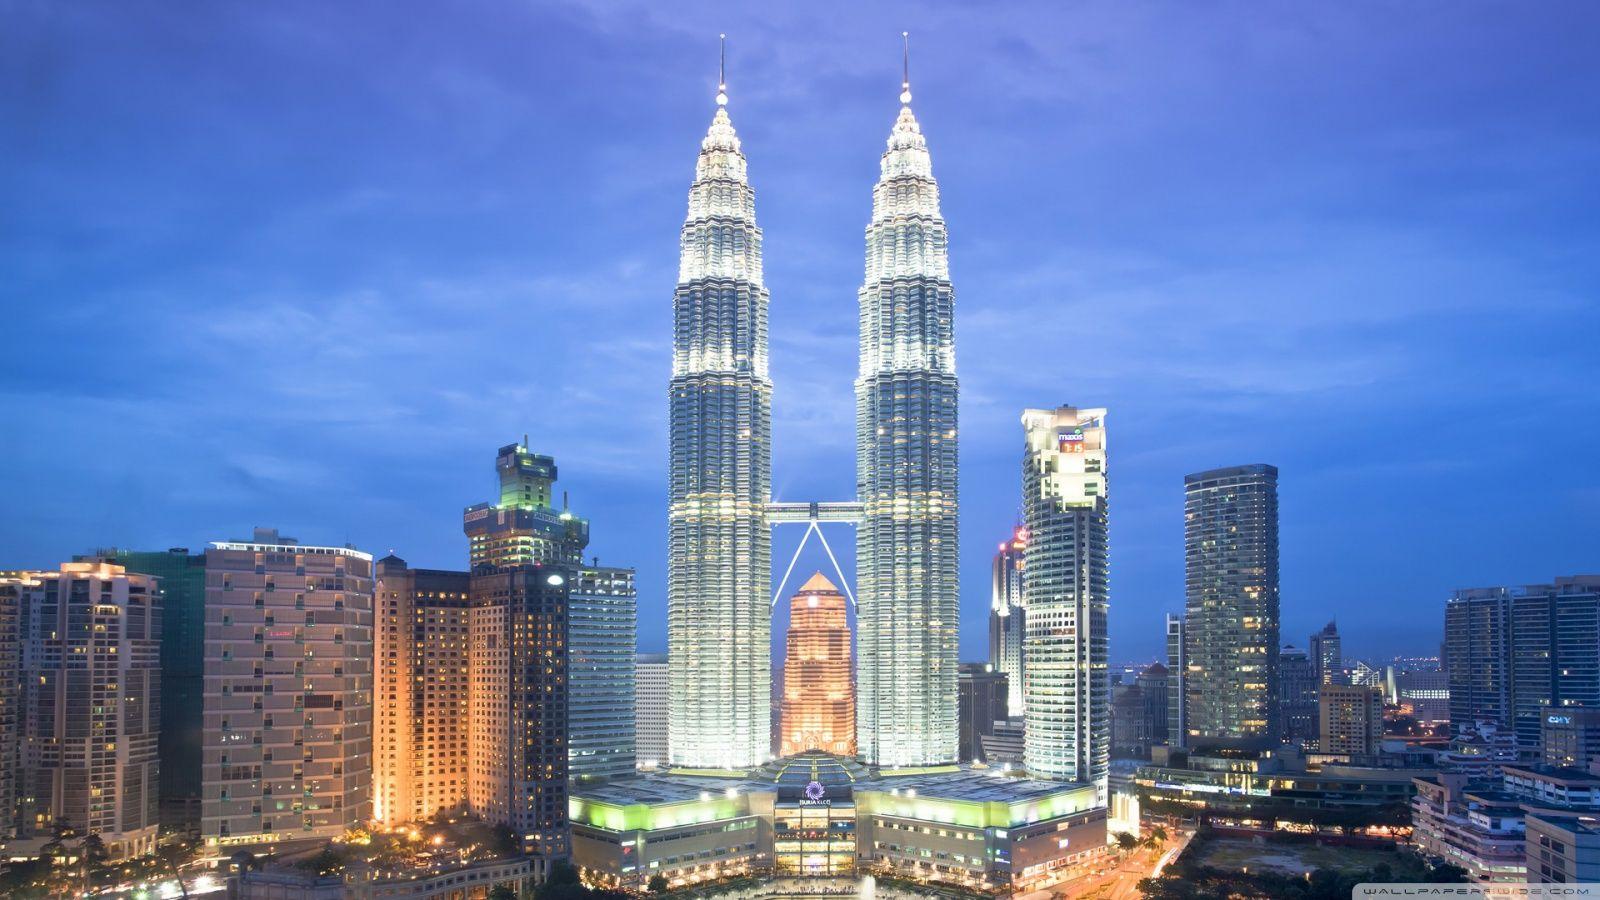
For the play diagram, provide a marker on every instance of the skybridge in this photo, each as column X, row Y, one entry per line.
column 812, row 514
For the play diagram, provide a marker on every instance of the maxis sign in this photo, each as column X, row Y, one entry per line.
column 1070, row 441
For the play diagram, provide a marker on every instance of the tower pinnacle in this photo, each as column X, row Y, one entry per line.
column 722, row 70
column 905, row 68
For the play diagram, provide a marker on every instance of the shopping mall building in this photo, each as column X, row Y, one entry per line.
column 813, row 814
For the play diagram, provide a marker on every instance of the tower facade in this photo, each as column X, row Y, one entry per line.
column 603, row 617
column 1231, row 591
column 287, row 718
column 91, row 709
column 1067, row 736
column 524, row 527
column 1008, row 617
column 906, row 468
column 819, row 708
column 422, row 692
column 1327, row 655
column 719, row 553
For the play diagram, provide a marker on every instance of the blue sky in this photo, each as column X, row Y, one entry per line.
column 310, row 264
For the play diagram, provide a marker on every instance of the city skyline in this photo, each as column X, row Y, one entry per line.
column 190, row 472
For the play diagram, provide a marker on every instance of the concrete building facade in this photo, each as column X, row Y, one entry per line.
column 287, row 713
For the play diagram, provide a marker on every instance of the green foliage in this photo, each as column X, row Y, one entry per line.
column 1126, row 841
column 564, row 884
column 658, row 883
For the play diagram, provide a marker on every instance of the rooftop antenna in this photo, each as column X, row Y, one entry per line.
column 905, row 68
column 722, row 70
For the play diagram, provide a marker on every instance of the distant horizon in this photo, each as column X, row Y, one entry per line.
column 307, row 266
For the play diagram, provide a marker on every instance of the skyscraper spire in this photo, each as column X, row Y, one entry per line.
column 722, row 70
column 720, row 478
column 905, row 69
column 906, row 479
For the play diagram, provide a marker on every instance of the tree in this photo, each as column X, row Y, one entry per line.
column 1445, row 873
column 658, row 883
column 1126, row 841
column 502, row 892
column 1158, row 834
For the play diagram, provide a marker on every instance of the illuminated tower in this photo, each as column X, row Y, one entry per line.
column 1008, row 617
column 906, row 549
column 524, row 527
column 1231, row 581
column 1067, row 736
column 819, row 700
column 719, row 622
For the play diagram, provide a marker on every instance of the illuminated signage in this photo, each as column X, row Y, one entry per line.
column 1070, row 441
column 1559, row 720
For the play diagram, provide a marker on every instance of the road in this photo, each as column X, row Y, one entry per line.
column 1121, row 880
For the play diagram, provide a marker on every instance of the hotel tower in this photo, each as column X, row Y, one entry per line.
column 906, row 549
column 720, row 545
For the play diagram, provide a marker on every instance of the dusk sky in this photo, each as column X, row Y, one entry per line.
column 308, row 265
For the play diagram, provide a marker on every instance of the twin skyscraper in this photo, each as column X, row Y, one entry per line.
column 721, row 511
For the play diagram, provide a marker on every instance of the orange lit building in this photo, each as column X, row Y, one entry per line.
column 819, row 696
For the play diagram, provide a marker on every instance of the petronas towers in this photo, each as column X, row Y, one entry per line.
column 719, row 581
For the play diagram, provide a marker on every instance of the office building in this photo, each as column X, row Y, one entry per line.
column 517, row 733
column 719, row 551
column 1008, row 617
column 1350, row 719
column 1231, row 583
column 1297, row 696
column 1004, row 745
column 984, row 699
column 906, row 461
column 1139, row 714
column 182, row 581
column 524, row 527
column 13, row 594
column 1570, row 736
column 1177, row 682
column 1510, row 653
column 422, row 690
column 1066, row 702
column 819, row 703
column 1562, row 849
column 603, row 609
column 91, row 707
column 1327, row 654
column 1423, row 694
column 287, row 716
column 650, row 709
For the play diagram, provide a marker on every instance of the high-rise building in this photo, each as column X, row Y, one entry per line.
column 1008, row 617
column 12, row 595
column 1351, row 719
column 819, row 702
column 1423, row 693
column 1477, row 657
column 1570, row 736
column 1297, row 696
column 287, row 716
column 1510, row 653
column 1064, row 497
column 651, row 702
column 183, row 651
column 91, row 710
column 719, row 551
column 1327, row 655
column 906, row 468
column 524, row 527
column 517, row 732
column 1139, row 713
column 422, row 690
column 983, row 701
column 1231, row 586
column 603, row 613
column 1177, row 682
